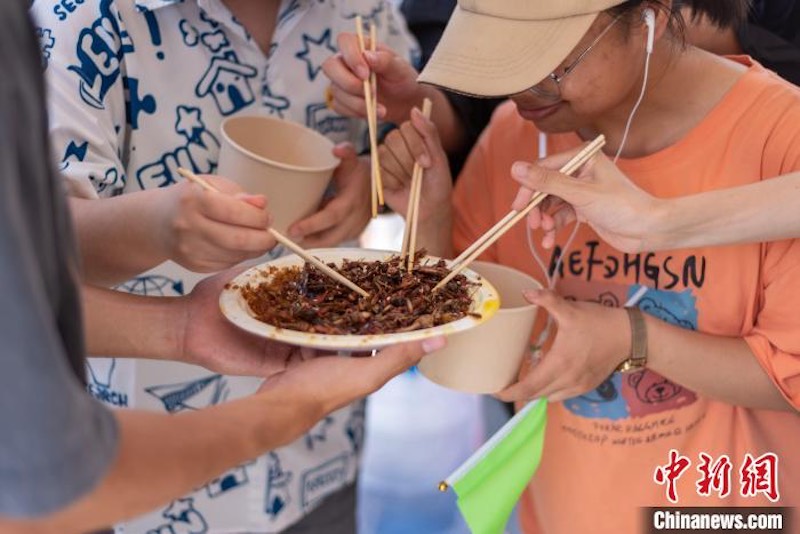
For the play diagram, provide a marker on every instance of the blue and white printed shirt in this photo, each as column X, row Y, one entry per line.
column 138, row 88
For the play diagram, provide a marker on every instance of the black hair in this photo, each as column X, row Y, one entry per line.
column 722, row 13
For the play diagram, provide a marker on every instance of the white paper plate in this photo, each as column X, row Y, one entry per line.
column 485, row 303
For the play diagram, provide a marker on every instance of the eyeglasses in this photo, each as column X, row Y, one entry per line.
column 550, row 87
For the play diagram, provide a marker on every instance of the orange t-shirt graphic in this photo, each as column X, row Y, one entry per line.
column 602, row 448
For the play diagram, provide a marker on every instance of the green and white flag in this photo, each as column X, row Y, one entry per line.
column 490, row 482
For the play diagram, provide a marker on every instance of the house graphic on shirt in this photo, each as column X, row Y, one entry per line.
column 227, row 81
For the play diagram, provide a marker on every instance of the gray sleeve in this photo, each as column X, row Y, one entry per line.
column 56, row 443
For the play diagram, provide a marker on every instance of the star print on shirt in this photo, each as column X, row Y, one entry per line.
column 189, row 123
column 315, row 52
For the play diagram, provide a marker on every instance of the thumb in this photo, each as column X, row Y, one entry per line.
column 259, row 201
column 380, row 61
column 537, row 178
column 394, row 360
column 389, row 66
column 555, row 305
column 430, row 135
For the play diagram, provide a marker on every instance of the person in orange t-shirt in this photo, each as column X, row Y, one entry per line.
column 716, row 390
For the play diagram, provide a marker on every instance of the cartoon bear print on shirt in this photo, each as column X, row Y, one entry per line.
column 603, row 402
column 653, row 389
column 643, row 392
column 647, row 392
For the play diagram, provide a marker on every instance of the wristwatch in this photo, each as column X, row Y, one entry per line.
column 638, row 356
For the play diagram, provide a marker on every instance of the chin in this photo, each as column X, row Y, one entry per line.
column 551, row 126
column 552, row 121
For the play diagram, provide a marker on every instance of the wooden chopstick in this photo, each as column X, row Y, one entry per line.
column 373, row 79
column 416, row 178
column 288, row 243
column 412, row 205
column 409, row 215
column 372, row 126
column 319, row 264
column 567, row 169
column 477, row 243
column 513, row 217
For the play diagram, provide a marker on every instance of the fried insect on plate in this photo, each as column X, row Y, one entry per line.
column 304, row 299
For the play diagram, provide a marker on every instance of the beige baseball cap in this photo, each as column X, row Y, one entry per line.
column 502, row 47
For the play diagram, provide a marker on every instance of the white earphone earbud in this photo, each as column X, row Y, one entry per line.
column 650, row 21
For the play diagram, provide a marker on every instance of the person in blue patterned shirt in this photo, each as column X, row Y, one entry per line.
column 138, row 88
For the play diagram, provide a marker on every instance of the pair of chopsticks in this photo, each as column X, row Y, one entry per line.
column 409, row 246
column 282, row 239
column 371, row 99
column 513, row 217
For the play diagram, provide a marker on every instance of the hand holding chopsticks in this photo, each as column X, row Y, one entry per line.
column 371, row 99
column 514, row 216
column 282, row 239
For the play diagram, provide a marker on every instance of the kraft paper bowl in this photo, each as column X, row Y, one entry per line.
column 487, row 358
column 288, row 163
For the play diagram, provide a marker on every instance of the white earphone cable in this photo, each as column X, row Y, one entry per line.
column 635, row 107
column 552, row 280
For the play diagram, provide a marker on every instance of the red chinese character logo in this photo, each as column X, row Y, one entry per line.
column 760, row 475
column 715, row 477
column 670, row 473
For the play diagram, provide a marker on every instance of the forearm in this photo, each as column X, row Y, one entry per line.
column 120, row 324
column 447, row 121
column 763, row 211
column 162, row 457
column 721, row 368
column 117, row 236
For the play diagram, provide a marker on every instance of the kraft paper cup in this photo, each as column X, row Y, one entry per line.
column 487, row 358
column 288, row 163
